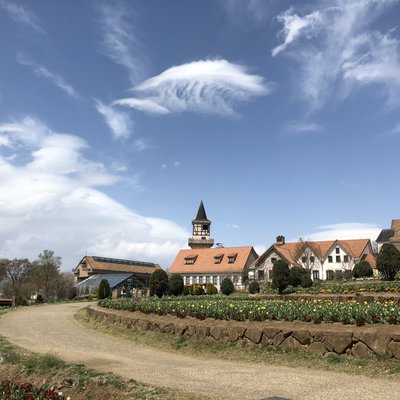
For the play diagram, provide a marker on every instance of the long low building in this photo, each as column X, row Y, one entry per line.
column 93, row 265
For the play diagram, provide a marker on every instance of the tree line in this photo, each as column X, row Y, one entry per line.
column 21, row 278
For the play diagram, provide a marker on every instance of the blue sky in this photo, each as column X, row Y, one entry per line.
column 117, row 118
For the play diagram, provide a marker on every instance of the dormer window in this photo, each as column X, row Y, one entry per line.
column 218, row 259
column 232, row 258
column 189, row 260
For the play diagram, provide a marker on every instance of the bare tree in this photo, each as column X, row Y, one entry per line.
column 307, row 252
column 45, row 273
column 17, row 272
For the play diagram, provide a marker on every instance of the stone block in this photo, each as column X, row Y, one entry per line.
column 278, row 339
column 302, row 336
column 378, row 343
column 361, row 350
column 202, row 331
column 291, row 343
column 254, row 334
column 317, row 348
column 340, row 341
column 191, row 330
column 218, row 332
column 394, row 350
column 235, row 333
column 270, row 332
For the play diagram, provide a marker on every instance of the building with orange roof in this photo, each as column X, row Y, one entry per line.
column 206, row 264
column 320, row 258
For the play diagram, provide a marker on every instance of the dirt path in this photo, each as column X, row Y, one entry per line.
column 53, row 329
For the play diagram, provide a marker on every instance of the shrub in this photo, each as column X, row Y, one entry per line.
column 254, row 287
column 197, row 289
column 306, row 280
column 347, row 274
column 227, row 287
column 39, row 299
column 338, row 275
column 158, row 283
column 362, row 269
column 280, row 275
column 175, row 285
column 211, row 289
column 295, row 276
column 186, row 290
column 104, row 289
column 388, row 261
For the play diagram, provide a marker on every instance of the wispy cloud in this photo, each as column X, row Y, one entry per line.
column 43, row 72
column 120, row 41
column 206, row 86
column 395, row 131
column 53, row 196
column 119, row 122
column 353, row 230
column 338, row 50
column 22, row 15
column 303, row 127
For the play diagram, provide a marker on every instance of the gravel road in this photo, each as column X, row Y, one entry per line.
column 53, row 329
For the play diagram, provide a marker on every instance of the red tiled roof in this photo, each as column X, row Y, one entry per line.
column 289, row 251
column 205, row 261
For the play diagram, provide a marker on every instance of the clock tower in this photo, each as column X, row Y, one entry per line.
column 201, row 230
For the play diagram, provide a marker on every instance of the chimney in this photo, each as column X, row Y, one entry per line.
column 280, row 240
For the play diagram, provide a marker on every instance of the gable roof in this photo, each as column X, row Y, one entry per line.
column 205, row 260
column 105, row 264
column 289, row 251
column 385, row 235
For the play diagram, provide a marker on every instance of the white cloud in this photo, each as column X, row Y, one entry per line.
column 119, row 122
column 303, row 127
column 5, row 141
column 120, row 42
column 353, row 230
column 207, row 86
column 43, row 72
column 176, row 163
column 232, row 226
column 294, row 26
column 338, row 50
column 21, row 15
column 51, row 200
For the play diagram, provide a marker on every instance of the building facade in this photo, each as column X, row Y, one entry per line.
column 204, row 264
column 391, row 235
column 321, row 258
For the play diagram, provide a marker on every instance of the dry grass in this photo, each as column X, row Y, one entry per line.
column 372, row 366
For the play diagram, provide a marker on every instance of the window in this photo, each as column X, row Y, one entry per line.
column 235, row 279
column 329, row 275
column 232, row 258
column 337, row 258
column 261, row 275
column 190, row 260
column 315, row 275
column 207, row 279
column 215, row 279
column 218, row 259
column 312, row 259
column 270, row 275
column 337, row 250
column 273, row 259
column 330, row 259
column 346, row 258
column 303, row 260
column 205, row 227
column 201, row 279
column 187, row 280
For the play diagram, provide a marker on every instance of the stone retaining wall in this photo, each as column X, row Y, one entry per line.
column 383, row 340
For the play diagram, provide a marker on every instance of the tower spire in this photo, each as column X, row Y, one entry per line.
column 201, row 230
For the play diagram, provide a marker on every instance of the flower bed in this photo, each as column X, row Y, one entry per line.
column 10, row 390
column 340, row 288
column 317, row 311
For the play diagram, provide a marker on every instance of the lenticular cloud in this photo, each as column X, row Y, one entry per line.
column 207, row 86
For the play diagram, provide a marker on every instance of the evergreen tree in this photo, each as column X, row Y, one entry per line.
column 159, row 283
column 280, row 275
column 104, row 289
column 388, row 261
column 176, row 285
